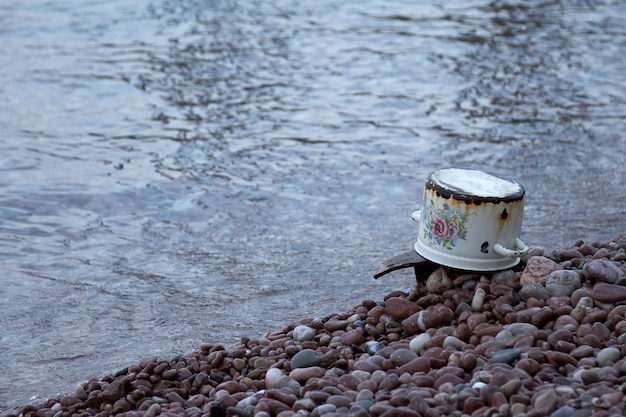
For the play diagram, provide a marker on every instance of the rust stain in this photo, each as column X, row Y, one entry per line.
column 503, row 217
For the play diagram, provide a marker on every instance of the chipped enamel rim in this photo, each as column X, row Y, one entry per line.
column 473, row 186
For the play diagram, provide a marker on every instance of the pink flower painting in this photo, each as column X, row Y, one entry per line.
column 444, row 226
column 439, row 226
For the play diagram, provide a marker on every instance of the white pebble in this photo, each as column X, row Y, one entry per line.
column 353, row 318
column 219, row 394
column 521, row 328
column 251, row 400
column 505, row 336
column 478, row 300
column 362, row 375
column 322, row 409
column 479, row 385
column 438, row 281
column 364, row 395
column 453, row 342
column 303, row 333
column 585, row 302
column 418, row 343
column 378, row 376
column 272, row 376
column 608, row 356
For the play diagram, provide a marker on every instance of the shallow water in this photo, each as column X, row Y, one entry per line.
column 175, row 172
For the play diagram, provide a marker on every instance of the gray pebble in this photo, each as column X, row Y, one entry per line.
column 364, row 404
column 453, row 342
column 80, row 393
column 362, row 375
column 521, row 328
column 562, row 282
column 608, row 356
column 534, row 290
column 533, row 251
column 402, row 356
column 463, row 306
column 506, row 356
column 373, row 346
column 585, row 302
column 320, row 410
column 251, row 400
column 563, row 412
column 603, row 270
column 502, row 276
column 376, row 360
column 305, row 359
column 546, row 401
column 378, row 376
column 286, row 382
column 365, row 395
column 304, row 404
column 235, row 411
column 505, row 336
column 578, row 294
column 469, row 285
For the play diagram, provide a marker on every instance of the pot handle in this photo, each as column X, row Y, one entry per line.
column 416, row 215
column 520, row 249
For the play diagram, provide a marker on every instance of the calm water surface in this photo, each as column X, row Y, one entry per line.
column 175, row 172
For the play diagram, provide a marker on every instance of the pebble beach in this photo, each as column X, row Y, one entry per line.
column 546, row 338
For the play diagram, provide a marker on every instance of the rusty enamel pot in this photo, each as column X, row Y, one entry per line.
column 470, row 220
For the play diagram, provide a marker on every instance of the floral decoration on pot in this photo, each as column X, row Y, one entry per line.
column 444, row 226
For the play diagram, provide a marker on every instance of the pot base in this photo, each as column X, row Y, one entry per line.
column 457, row 262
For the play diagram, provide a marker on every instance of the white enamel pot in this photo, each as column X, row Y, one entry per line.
column 470, row 220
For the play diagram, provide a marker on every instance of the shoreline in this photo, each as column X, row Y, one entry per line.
column 547, row 337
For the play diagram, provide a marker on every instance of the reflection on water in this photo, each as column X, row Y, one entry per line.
column 183, row 171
